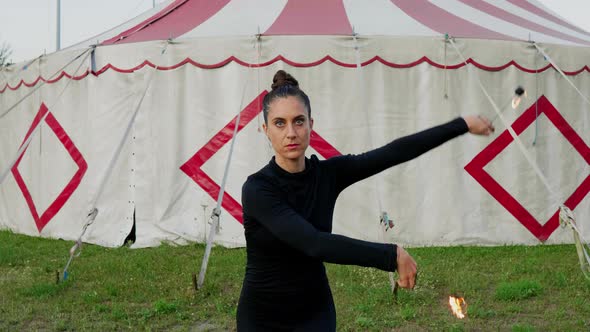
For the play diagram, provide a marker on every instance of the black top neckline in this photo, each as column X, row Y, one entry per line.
column 297, row 175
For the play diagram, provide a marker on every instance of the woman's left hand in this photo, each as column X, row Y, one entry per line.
column 479, row 125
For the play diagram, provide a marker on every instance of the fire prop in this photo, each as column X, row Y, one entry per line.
column 519, row 92
column 458, row 306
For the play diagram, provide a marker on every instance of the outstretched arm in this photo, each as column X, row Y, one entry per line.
column 349, row 169
column 261, row 202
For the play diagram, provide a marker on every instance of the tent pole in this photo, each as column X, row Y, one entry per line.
column 58, row 27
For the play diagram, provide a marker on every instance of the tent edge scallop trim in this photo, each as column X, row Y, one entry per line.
column 327, row 58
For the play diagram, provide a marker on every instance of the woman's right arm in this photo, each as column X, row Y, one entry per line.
column 261, row 202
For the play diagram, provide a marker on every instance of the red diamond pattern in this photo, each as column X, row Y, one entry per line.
column 66, row 193
column 476, row 168
column 193, row 167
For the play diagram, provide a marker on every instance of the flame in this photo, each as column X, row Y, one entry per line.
column 516, row 100
column 458, row 306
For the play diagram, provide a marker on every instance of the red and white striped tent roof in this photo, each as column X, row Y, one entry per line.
column 524, row 20
column 494, row 35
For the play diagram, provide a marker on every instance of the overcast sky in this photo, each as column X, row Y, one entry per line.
column 29, row 26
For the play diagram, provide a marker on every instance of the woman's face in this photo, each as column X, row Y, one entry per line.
column 288, row 128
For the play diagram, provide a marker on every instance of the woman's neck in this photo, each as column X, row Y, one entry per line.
column 291, row 165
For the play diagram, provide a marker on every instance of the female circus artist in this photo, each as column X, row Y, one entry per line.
column 288, row 207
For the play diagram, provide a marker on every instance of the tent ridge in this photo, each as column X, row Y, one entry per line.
column 127, row 33
column 522, row 22
column 542, row 13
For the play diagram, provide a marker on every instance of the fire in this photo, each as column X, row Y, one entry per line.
column 458, row 306
column 515, row 102
column 517, row 98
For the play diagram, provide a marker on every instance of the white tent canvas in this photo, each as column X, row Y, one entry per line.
column 139, row 124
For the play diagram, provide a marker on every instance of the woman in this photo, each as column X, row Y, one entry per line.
column 288, row 207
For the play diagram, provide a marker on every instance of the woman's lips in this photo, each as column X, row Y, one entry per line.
column 292, row 146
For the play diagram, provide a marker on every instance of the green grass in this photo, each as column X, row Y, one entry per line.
column 520, row 290
column 509, row 288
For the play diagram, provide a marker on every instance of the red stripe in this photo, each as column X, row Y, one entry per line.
column 322, row 146
column 33, row 83
column 312, row 17
column 568, row 132
column 74, row 182
column 579, row 194
column 228, row 202
column 540, row 12
column 444, row 22
column 192, row 167
column 28, row 199
column 225, row 134
column 40, row 114
column 175, row 20
column 507, row 201
column 517, row 20
column 15, row 172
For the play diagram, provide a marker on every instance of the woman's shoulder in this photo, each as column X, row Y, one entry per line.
column 256, row 186
column 262, row 177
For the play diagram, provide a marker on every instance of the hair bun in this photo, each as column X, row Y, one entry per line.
column 283, row 78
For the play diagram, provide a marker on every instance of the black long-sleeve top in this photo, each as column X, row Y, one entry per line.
column 288, row 224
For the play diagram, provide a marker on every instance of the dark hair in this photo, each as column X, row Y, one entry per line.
column 283, row 86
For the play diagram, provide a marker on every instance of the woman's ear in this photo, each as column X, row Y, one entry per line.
column 264, row 127
column 311, row 123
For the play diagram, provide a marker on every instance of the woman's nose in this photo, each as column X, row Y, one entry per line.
column 291, row 130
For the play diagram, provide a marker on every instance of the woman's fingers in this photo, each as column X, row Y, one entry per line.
column 479, row 125
column 489, row 127
column 406, row 268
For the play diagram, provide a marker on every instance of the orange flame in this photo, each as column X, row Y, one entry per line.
column 458, row 306
column 516, row 100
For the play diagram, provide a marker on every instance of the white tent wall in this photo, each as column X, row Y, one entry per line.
column 14, row 212
column 94, row 123
column 187, row 107
column 110, row 112
column 433, row 199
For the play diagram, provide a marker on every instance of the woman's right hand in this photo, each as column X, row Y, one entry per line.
column 406, row 268
column 479, row 125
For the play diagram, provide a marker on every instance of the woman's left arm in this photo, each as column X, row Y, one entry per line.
column 348, row 169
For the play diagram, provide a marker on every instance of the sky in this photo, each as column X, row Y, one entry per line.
column 29, row 26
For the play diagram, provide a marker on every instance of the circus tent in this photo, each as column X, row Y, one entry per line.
column 134, row 127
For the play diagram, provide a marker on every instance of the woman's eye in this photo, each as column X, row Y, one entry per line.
column 299, row 122
column 279, row 123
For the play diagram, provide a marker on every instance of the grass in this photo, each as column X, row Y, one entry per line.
column 509, row 288
column 520, row 290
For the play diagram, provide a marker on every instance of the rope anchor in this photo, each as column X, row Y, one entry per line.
column 76, row 249
column 386, row 224
column 567, row 218
column 385, row 221
column 215, row 215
